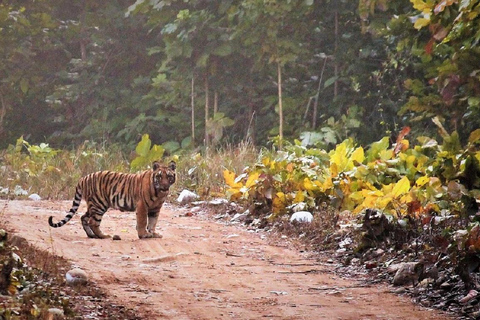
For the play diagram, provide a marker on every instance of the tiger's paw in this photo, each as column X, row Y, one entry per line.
column 150, row 235
column 96, row 236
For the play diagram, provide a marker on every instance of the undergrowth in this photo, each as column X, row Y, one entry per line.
column 32, row 282
column 53, row 173
column 203, row 172
column 321, row 234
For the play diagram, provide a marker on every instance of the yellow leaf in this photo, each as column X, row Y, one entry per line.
column 472, row 15
column 266, row 161
column 299, row 197
column 252, row 179
column 387, row 188
column 334, row 169
column 407, row 198
column 358, row 155
column 410, row 160
column 385, row 155
column 308, row 185
column 279, row 203
column 474, row 136
column 357, row 196
column 368, row 202
column 424, row 6
column 383, row 202
column 419, row 4
column 405, row 144
column 229, row 177
column 376, row 193
column 401, row 187
column 328, row 184
column 422, row 181
column 421, row 22
column 340, row 159
column 233, row 194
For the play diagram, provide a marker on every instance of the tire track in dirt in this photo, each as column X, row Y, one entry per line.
column 203, row 269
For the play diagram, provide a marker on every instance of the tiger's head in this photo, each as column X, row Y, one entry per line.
column 163, row 176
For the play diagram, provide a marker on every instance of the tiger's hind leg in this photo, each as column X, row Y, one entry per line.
column 86, row 226
column 91, row 223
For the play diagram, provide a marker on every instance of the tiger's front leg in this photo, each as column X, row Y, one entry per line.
column 152, row 223
column 142, row 219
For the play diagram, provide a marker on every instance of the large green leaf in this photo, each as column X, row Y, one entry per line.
column 376, row 148
column 223, row 50
column 143, row 146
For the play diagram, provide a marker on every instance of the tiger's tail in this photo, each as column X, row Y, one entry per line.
column 71, row 213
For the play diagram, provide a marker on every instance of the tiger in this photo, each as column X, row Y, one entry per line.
column 143, row 192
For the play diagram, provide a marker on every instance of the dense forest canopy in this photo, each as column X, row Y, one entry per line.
column 200, row 72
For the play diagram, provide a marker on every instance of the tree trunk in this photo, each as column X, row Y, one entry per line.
column 251, row 126
column 280, row 107
column 215, row 102
column 207, row 143
column 335, row 85
column 317, row 96
column 83, row 36
column 3, row 112
column 193, row 110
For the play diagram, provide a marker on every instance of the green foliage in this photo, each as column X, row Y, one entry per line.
column 53, row 173
column 146, row 154
column 348, row 68
column 428, row 178
column 216, row 125
column 442, row 46
column 203, row 173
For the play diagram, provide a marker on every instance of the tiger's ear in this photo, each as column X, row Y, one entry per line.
column 155, row 165
column 172, row 165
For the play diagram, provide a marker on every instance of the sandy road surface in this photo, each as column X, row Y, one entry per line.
column 203, row 269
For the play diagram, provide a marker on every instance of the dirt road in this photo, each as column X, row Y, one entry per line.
column 202, row 269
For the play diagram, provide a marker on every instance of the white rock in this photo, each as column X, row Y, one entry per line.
column 402, row 223
column 302, row 216
column 217, row 202
column 195, row 209
column 16, row 257
column 301, row 206
column 34, row 197
column 186, row 196
column 19, row 191
column 56, row 311
column 345, row 242
column 240, row 217
column 76, row 277
column 408, row 273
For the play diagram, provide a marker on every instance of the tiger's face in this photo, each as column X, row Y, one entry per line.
column 163, row 176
